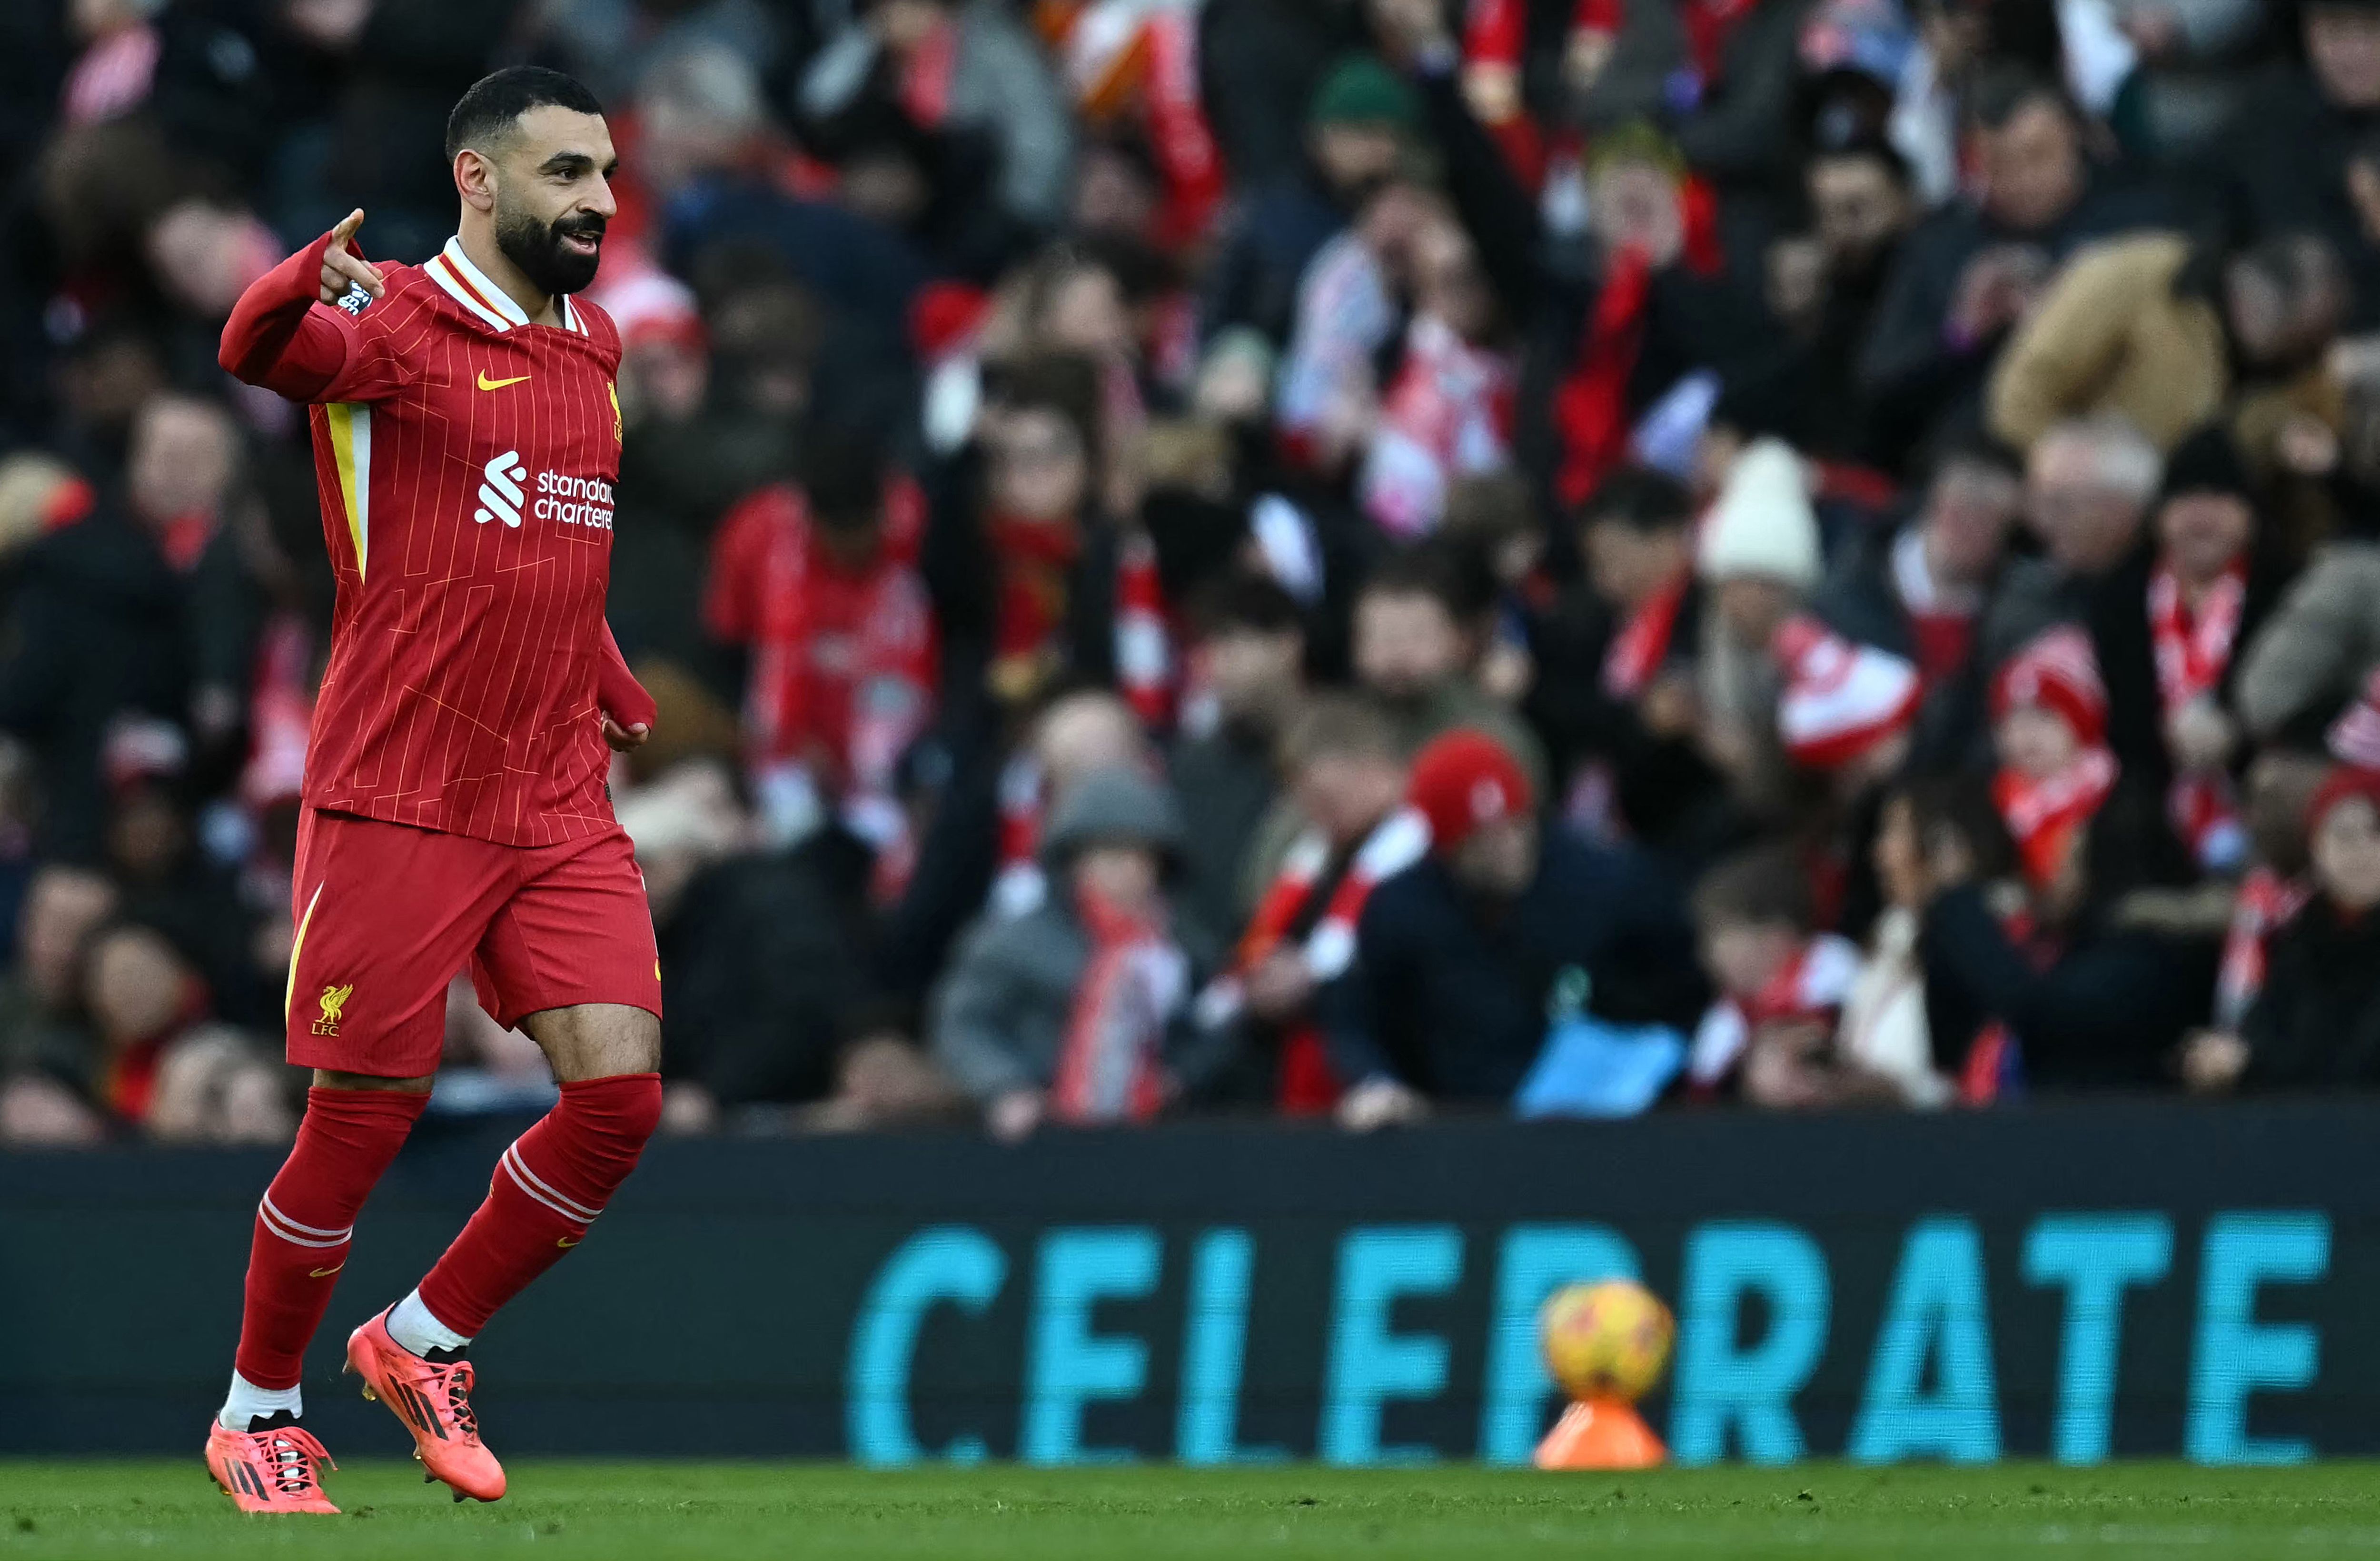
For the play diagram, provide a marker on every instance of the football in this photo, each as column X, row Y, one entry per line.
column 1609, row 1340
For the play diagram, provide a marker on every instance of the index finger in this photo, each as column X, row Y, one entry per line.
column 347, row 225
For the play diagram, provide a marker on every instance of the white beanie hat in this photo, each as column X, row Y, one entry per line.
column 1762, row 524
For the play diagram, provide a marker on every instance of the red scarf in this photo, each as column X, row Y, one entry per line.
column 1811, row 985
column 2266, row 903
column 1306, row 1084
column 1448, row 414
column 1144, row 647
column 1642, row 646
column 1035, row 560
column 925, row 84
column 2042, row 815
column 1178, row 132
column 2192, row 653
column 1590, row 409
column 1111, row 1061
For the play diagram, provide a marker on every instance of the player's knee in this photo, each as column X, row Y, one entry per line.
column 624, row 1109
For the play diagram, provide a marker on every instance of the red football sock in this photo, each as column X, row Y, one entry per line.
column 307, row 1216
column 548, row 1188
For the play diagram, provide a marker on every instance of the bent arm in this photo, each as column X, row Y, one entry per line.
column 281, row 337
column 617, row 689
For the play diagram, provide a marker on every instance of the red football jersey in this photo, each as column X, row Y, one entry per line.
column 467, row 459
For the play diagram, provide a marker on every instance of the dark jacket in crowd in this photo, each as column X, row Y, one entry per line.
column 1912, row 371
column 2106, row 1012
column 1670, row 798
column 2317, row 1023
column 1449, row 995
column 1226, row 785
column 2120, row 634
column 763, row 970
column 2280, row 166
column 99, row 629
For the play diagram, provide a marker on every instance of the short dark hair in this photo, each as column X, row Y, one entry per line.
column 1242, row 601
column 2003, row 92
column 1868, row 149
column 844, row 478
column 1063, row 382
column 1452, row 576
column 1957, row 803
column 1764, row 885
column 488, row 110
column 1641, row 499
column 1338, row 726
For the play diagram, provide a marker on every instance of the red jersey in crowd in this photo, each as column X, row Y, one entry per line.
column 843, row 650
column 467, row 459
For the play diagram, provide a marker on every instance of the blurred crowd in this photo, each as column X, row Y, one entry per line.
column 1333, row 558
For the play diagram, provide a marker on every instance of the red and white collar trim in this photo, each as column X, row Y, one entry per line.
column 469, row 286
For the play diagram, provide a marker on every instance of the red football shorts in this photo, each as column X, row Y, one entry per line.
column 386, row 915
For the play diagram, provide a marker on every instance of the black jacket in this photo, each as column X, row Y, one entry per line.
column 100, row 628
column 1452, row 998
column 2108, row 1013
column 1912, row 372
column 2317, row 1023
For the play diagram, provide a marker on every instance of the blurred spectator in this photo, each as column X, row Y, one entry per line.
column 1921, row 591
column 1888, row 1026
column 1972, row 269
column 1781, row 986
column 1359, row 126
column 1250, row 658
column 1079, row 1011
column 2049, row 725
column 1861, row 210
column 1758, row 558
column 2169, row 629
column 2313, row 1024
column 1347, row 785
column 1417, row 635
column 2281, row 163
column 817, row 585
column 102, row 610
column 49, row 1065
column 2146, row 329
column 981, row 841
column 1457, row 958
column 2088, row 488
column 956, row 70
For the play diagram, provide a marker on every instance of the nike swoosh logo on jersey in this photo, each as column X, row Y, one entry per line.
column 487, row 384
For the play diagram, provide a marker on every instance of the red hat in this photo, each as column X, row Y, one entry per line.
column 1464, row 779
column 2344, row 783
column 2055, row 671
column 1840, row 698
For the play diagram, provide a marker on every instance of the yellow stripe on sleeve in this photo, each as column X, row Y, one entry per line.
column 350, row 427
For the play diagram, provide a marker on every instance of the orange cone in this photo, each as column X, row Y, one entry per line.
column 1601, row 1434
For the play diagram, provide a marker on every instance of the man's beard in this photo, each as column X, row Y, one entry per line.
column 537, row 250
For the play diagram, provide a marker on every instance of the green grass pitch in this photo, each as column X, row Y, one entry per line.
column 725, row 1511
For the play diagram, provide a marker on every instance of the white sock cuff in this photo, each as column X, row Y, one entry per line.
column 414, row 1327
column 246, row 1401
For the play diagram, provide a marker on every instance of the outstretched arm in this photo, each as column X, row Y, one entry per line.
column 283, row 334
